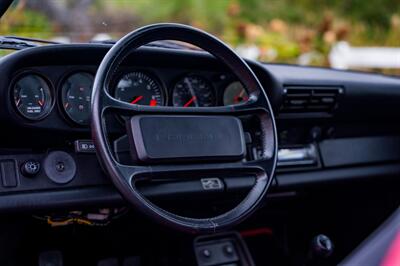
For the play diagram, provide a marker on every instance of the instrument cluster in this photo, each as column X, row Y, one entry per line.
column 188, row 90
column 34, row 96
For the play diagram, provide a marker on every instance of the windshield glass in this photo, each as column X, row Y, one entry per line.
column 352, row 34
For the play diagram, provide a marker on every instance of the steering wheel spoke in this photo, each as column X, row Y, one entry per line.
column 204, row 170
column 233, row 110
column 133, row 173
column 111, row 103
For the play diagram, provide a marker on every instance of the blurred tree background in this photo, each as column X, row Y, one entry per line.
column 283, row 30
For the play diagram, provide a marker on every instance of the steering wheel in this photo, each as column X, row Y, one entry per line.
column 192, row 142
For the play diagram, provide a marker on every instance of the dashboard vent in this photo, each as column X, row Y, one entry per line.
column 310, row 100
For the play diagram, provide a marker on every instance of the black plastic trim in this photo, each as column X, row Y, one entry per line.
column 296, row 180
column 107, row 195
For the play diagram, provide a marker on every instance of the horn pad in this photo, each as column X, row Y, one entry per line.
column 161, row 139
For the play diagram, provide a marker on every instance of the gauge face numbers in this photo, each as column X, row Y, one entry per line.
column 139, row 88
column 32, row 97
column 76, row 95
column 193, row 91
column 235, row 93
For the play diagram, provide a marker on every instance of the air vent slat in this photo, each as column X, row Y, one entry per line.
column 309, row 100
column 322, row 94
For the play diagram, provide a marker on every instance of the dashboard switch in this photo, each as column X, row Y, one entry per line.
column 30, row 168
column 9, row 175
column 206, row 253
column 229, row 251
column 84, row 146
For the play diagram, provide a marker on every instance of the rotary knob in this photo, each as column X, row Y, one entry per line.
column 30, row 168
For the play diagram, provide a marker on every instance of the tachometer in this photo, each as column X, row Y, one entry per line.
column 193, row 91
column 76, row 93
column 139, row 88
column 32, row 97
column 235, row 93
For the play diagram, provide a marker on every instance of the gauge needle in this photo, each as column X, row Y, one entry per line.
column 136, row 99
column 40, row 103
column 191, row 90
column 190, row 101
column 153, row 102
column 239, row 98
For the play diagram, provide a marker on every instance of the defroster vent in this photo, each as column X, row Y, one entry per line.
column 310, row 99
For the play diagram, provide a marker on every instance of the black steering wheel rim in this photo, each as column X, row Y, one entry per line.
column 123, row 177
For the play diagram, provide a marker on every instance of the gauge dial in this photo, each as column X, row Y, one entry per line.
column 235, row 93
column 76, row 94
column 32, row 97
column 193, row 91
column 139, row 88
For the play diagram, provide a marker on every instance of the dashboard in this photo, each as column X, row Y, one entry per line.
column 320, row 113
column 35, row 93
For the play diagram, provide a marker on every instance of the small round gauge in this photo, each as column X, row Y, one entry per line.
column 32, row 97
column 235, row 93
column 193, row 91
column 76, row 92
column 139, row 88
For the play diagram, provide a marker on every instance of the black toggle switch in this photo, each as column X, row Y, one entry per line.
column 206, row 253
column 321, row 246
column 229, row 251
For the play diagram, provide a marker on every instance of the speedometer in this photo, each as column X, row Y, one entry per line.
column 139, row 88
column 193, row 91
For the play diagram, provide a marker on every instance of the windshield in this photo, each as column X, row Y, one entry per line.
column 352, row 34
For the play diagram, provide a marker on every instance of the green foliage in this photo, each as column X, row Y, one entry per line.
column 371, row 12
column 362, row 22
column 208, row 14
column 26, row 23
column 283, row 29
